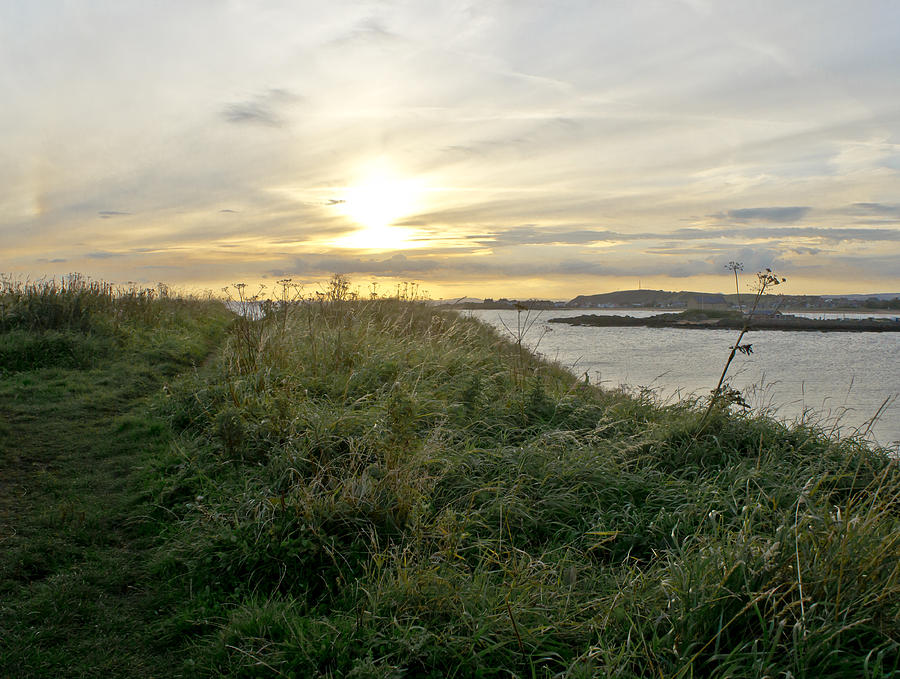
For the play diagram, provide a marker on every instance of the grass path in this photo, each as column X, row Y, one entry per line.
column 77, row 598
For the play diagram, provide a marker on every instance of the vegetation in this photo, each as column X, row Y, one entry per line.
column 875, row 303
column 765, row 280
column 372, row 488
column 78, row 359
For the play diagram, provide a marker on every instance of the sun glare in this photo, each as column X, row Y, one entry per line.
column 376, row 202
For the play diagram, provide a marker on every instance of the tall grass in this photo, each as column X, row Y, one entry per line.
column 75, row 321
column 375, row 488
column 73, row 302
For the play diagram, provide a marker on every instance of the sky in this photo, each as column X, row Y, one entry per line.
column 501, row 148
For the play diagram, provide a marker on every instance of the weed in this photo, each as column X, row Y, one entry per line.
column 525, row 321
column 723, row 393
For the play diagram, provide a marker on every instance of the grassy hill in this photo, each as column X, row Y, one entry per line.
column 625, row 298
column 379, row 489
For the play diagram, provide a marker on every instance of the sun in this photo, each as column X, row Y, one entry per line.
column 376, row 201
column 379, row 201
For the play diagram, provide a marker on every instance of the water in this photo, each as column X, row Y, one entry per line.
column 838, row 379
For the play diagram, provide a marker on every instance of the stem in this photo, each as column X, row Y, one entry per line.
column 515, row 627
column 718, row 389
column 765, row 280
column 734, row 348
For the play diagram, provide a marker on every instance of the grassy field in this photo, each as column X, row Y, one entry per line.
column 348, row 488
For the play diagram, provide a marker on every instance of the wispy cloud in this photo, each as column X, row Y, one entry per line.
column 266, row 109
column 531, row 235
column 395, row 265
column 765, row 214
column 876, row 209
column 829, row 234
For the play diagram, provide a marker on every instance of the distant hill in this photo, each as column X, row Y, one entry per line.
column 879, row 296
column 456, row 300
column 686, row 298
column 634, row 298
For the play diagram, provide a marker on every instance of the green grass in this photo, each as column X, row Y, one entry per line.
column 377, row 489
column 76, row 596
column 382, row 490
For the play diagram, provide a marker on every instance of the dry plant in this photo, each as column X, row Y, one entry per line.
column 525, row 320
column 765, row 280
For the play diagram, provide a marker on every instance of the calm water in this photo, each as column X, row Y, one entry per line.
column 839, row 379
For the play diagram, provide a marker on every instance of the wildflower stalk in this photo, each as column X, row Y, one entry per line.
column 764, row 280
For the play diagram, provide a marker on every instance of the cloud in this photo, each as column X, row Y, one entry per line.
column 549, row 141
column 877, row 208
column 251, row 112
column 262, row 110
column 367, row 31
column 844, row 234
column 102, row 255
column 874, row 209
column 395, row 265
column 531, row 235
column 765, row 214
column 829, row 234
column 753, row 259
column 676, row 263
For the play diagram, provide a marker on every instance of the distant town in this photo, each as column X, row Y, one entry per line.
column 662, row 299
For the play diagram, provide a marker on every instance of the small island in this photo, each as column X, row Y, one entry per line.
column 735, row 320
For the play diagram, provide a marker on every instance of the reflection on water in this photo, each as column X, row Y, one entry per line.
column 839, row 379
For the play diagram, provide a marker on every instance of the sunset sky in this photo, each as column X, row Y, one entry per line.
column 485, row 148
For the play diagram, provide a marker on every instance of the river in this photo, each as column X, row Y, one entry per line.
column 839, row 380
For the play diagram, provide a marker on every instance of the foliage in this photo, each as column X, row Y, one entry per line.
column 373, row 488
column 76, row 596
column 875, row 303
column 395, row 491
column 75, row 322
column 724, row 394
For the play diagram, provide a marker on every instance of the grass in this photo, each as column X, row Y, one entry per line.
column 372, row 488
column 76, row 596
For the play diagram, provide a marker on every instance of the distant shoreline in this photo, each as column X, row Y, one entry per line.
column 697, row 321
column 663, row 310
